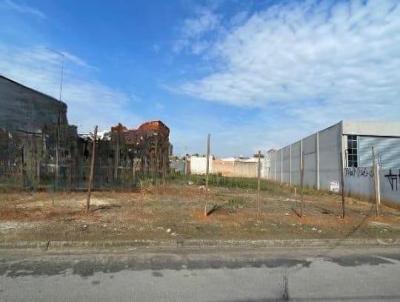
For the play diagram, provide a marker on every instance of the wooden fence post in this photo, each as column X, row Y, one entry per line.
column 377, row 188
column 207, row 171
column 91, row 170
column 342, row 184
column 258, row 183
column 302, row 183
column 57, row 155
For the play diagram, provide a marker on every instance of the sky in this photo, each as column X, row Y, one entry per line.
column 256, row 74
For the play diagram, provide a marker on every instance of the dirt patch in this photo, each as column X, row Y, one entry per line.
column 149, row 214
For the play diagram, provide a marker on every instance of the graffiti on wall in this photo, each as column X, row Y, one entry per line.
column 393, row 179
column 358, row 172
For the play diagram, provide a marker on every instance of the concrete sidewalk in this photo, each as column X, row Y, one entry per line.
column 200, row 244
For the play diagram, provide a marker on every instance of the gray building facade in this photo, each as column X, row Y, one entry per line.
column 321, row 151
column 23, row 108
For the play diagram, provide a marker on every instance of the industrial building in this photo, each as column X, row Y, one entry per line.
column 39, row 149
column 321, row 151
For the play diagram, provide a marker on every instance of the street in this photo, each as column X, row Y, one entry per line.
column 369, row 274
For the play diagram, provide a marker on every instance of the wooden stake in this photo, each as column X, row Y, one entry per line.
column 207, row 171
column 91, row 170
column 57, row 171
column 164, row 167
column 342, row 184
column 258, row 184
column 302, row 183
column 375, row 168
column 133, row 171
column 156, row 164
column 116, row 160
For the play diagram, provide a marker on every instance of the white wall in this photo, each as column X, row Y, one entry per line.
column 360, row 182
column 390, row 185
column 198, row 164
column 265, row 167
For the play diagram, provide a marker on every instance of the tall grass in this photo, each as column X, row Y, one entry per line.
column 240, row 183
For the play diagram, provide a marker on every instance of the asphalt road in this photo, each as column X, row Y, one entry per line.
column 183, row 275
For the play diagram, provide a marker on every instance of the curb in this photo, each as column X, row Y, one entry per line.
column 200, row 244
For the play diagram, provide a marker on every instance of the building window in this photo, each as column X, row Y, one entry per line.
column 352, row 151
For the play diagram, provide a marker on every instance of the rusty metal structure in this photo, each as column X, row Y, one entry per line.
column 40, row 150
column 147, row 146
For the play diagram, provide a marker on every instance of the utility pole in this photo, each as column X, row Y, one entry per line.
column 91, row 169
column 207, row 171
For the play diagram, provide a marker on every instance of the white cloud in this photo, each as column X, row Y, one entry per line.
column 346, row 56
column 193, row 31
column 89, row 102
column 22, row 8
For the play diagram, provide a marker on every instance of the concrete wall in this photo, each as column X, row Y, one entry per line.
column 223, row 167
column 265, row 167
column 235, row 168
column 296, row 161
column 177, row 165
column 286, row 164
column 22, row 108
column 390, row 185
column 321, row 160
column 329, row 152
column 310, row 160
column 360, row 182
column 245, row 169
column 198, row 164
column 279, row 166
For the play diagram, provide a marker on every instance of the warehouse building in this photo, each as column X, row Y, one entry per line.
column 321, row 153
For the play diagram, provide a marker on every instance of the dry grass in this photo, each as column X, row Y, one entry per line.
column 176, row 211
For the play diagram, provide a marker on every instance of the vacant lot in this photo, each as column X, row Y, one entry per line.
column 176, row 211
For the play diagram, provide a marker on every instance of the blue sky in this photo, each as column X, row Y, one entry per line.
column 254, row 74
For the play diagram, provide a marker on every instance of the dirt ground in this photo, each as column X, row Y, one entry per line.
column 176, row 211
